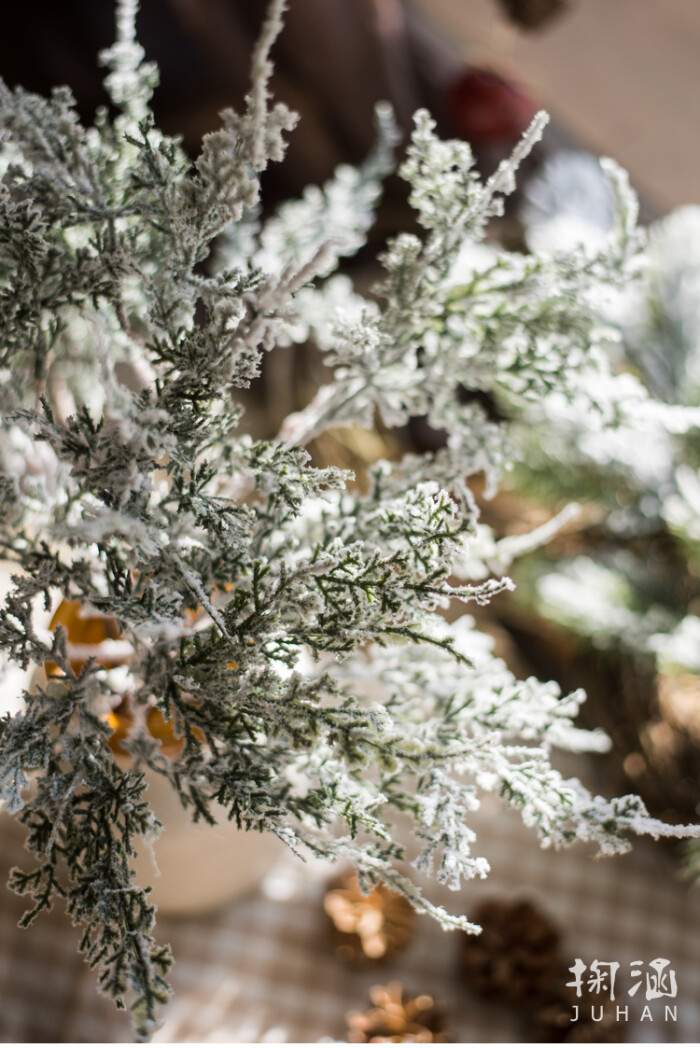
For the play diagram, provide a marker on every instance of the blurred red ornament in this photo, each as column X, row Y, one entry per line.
column 485, row 109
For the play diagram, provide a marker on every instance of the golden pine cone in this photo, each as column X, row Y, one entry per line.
column 398, row 1018
column 367, row 929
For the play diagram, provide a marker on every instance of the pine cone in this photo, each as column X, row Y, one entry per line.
column 367, row 929
column 397, row 1017
column 551, row 1020
column 531, row 14
column 516, row 957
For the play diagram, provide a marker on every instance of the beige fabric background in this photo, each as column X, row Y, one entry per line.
column 622, row 76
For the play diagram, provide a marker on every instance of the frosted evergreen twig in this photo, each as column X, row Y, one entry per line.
column 288, row 626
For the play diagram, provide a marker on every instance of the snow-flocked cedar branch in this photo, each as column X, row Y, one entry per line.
column 639, row 595
column 322, row 685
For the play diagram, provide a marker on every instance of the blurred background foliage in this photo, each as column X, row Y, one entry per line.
column 613, row 603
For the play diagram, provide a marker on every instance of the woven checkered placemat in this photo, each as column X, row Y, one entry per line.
column 262, row 968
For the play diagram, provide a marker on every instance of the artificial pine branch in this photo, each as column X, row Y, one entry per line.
column 287, row 624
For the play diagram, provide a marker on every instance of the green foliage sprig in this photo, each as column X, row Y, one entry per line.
column 321, row 688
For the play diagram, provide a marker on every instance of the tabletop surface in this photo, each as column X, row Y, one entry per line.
column 263, row 968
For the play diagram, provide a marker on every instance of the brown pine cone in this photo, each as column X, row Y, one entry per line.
column 516, row 957
column 367, row 929
column 531, row 14
column 552, row 1019
column 398, row 1018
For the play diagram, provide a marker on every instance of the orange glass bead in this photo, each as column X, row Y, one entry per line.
column 163, row 732
column 90, row 634
column 121, row 721
column 87, row 631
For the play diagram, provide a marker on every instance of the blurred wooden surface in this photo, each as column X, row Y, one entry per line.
column 622, row 76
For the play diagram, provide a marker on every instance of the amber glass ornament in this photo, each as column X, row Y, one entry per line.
column 367, row 929
column 397, row 1017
